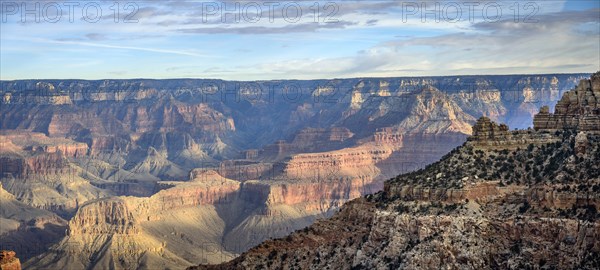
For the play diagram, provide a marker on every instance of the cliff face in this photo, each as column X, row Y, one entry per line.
column 160, row 130
column 578, row 109
column 504, row 199
column 361, row 236
column 110, row 216
column 233, row 217
column 489, row 135
column 130, row 232
column 315, row 197
column 34, row 162
column 350, row 162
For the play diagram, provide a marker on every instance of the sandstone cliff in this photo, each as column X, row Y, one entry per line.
column 40, row 171
column 130, row 232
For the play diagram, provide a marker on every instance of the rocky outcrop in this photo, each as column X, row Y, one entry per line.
column 488, row 134
column 204, row 189
column 9, row 261
column 485, row 192
column 578, row 109
column 110, row 216
column 359, row 161
column 475, row 191
column 485, row 130
column 388, row 136
column 33, row 161
column 130, row 232
column 39, row 143
column 42, row 164
column 320, row 139
column 243, row 170
column 313, row 197
column 581, row 143
column 31, row 153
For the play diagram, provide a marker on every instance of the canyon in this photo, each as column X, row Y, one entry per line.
column 171, row 173
column 522, row 199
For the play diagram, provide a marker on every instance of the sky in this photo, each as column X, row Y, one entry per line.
column 269, row 40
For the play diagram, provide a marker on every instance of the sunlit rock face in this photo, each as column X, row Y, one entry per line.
column 9, row 261
column 143, row 172
column 578, row 109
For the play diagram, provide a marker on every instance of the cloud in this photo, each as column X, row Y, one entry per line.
column 95, row 36
column 240, row 20
column 541, row 22
column 550, row 45
column 369, row 39
column 508, row 33
column 261, row 30
column 107, row 46
column 117, row 73
column 371, row 22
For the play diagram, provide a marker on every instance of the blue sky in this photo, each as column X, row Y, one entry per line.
column 197, row 39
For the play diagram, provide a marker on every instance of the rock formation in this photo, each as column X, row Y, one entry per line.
column 8, row 261
column 578, row 109
column 488, row 135
column 485, row 130
column 33, row 161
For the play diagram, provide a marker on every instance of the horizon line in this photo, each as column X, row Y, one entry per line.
column 313, row 79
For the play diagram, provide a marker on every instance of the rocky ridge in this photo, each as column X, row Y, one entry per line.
column 578, row 109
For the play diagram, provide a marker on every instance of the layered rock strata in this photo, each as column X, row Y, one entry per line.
column 578, row 109
column 488, row 134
